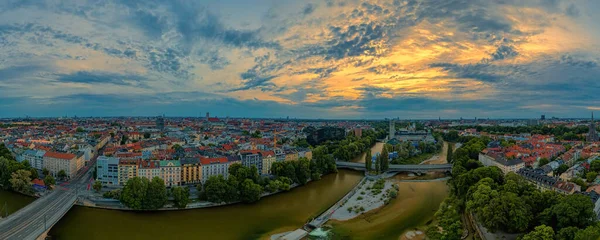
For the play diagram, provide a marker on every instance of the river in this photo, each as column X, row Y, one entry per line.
column 374, row 150
column 274, row 214
column 11, row 202
column 415, row 205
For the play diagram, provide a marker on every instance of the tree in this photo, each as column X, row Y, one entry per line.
column 589, row 233
column 250, row 191
column 506, row 212
column 134, row 192
column 595, row 166
column 383, row 160
column 21, row 181
column 567, row 233
column 147, row 135
column 177, row 147
column 302, row 170
column 34, row 173
column 541, row 232
column 561, row 169
column 449, row 152
column 45, row 171
column 79, row 130
column 368, row 160
column 62, row 175
column 574, row 210
column 156, row 194
column 590, row 176
column 97, row 186
column 377, row 164
column 543, row 161
column 181, row 196
column 216, row 189
column 273, row 186
column 49, row 181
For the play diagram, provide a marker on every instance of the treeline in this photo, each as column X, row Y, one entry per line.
column 407, row 153
column 453, row 137
column 246, row 185
column 139, row 193
column 381, row 164
column 509, row 203
column 17, row 176
column 352, row 146
column 560, row 132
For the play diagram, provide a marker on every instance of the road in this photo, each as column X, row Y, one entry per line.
column 397, row 167
column 34, row 219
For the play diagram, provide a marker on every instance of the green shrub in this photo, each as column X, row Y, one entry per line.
column 359, row 198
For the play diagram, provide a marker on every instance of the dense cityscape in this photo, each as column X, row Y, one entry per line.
column 300, row 120
column 517, row 169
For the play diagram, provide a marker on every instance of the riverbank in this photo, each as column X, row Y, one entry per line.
column 367, row 197
column 414, row 207
column 114, row 204
column 278, row 213
column 440, row 157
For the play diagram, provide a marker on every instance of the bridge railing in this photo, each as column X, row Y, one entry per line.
column 46, row 222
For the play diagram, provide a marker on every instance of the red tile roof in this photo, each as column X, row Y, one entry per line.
column 65, row 156
column 207, row 161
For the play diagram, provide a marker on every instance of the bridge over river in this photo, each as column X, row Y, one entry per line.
column 36, row 218
column 421, row 168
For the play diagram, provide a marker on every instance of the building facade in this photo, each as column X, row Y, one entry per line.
column 191, row 171
column 127, row 169
column 506, row 165
column 55, row 162
column 35, row 158
column 170, row 171
column 149, row 169
column 213, row 167
column 107, row 170
column 252, row 158
column 268, row 158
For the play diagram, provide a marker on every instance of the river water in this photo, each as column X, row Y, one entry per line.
column 415, row 205
column 274, row 214
column 11, row 202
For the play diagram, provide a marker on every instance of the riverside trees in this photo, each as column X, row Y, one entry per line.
column 509, row 203
column 141, row 194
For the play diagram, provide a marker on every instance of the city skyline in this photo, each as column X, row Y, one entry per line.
column 330, row 59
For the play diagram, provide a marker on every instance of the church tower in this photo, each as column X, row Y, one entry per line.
column 592, row 134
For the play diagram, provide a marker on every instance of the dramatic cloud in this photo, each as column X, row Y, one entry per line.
column 307, row 59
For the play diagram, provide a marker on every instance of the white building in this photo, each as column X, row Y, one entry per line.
column 35, row 158
column 506, row 165
column 55, row 162
column 214, row 167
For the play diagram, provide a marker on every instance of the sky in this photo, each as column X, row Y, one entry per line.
column 341, row 59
